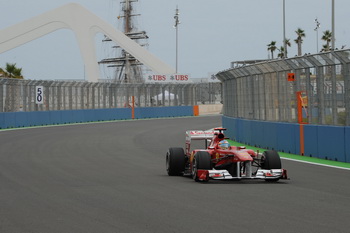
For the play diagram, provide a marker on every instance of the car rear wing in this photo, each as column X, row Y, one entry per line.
column 199, row 134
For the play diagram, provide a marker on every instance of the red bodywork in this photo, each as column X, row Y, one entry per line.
column 218, row 155
column 213, row 162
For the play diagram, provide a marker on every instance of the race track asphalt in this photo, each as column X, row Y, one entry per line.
column 110, row 177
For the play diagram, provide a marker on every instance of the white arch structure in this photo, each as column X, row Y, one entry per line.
column 85, row 25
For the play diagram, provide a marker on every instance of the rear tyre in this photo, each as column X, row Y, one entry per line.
column 271, row 160
column 202, row 161
column 175, row 161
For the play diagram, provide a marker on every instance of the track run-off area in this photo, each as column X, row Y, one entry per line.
column 111, row 177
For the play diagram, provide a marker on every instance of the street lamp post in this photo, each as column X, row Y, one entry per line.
column 177, row 22
column 318, row 25
column 333, row 26
column 284, row 29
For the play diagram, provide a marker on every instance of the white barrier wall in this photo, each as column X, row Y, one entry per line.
column 210, row 109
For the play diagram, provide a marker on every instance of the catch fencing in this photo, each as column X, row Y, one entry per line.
column 39, row 95
column 263, row 91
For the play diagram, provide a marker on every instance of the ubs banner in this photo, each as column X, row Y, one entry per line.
column 167, row 78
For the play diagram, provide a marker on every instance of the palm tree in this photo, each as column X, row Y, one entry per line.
column 281, row 52
column 299, row 40
column 324, row 48
column 272, row 47
column 327, row 36
column 11, row 71
column 288, row 44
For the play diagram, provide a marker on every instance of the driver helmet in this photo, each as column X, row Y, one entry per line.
column 224, row 145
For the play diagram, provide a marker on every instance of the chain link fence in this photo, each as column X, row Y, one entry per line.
column 262, row 91
column 21, row 95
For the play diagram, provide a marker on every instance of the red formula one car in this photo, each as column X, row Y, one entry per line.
column 221, row 161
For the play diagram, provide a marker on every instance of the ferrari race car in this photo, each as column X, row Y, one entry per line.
column 221, row 161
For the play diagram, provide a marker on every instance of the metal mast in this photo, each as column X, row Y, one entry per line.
column 127, row 68
column 177, row 22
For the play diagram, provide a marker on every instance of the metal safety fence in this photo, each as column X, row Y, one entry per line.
column 267, row 90
column 39, row 95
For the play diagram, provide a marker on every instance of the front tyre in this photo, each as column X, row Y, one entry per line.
column 271, row 160
column 175, row 161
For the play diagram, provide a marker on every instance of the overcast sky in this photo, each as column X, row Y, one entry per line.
column 212, row 33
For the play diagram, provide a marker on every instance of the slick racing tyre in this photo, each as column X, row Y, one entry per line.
column 175, row 161
column 202, row 161
column 271, row 160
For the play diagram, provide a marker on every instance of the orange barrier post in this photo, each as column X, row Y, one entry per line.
column 195, row 110
column 300, row 105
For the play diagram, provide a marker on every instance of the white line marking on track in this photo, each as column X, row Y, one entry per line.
column 319, row 164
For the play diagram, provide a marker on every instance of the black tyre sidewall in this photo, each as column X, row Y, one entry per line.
column 175, row 160
column 203, row 160
column 272, row 160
